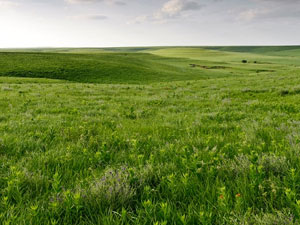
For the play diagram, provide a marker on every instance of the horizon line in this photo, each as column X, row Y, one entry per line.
column 144, row 46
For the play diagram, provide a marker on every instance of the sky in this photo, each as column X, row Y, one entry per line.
column 109, row 23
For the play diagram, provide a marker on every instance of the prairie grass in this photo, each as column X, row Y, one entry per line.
column 223, row 150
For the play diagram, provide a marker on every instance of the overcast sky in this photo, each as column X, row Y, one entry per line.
column 102, row 23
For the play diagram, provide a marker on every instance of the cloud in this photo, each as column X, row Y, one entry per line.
column 279, row 1
column 138, row 20
column 82, row 1
column 250, row 14
column 271, row 9
column 119, row 3
column 174, row 8
column 96, row 17
column 7, row 4
column 114, row 2
column 90, row 17
column 169, row 10
column 265, row 13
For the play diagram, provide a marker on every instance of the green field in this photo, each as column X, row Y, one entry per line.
column 162, row 135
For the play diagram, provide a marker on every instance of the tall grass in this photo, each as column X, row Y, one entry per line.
column 180, row 152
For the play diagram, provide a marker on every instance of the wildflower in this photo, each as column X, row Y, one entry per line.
column 34, row 207
column 77, row 196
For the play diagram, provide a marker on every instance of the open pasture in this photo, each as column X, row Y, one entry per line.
column 162, row 135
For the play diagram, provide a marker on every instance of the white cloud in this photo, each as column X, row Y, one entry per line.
column 114, row 2
column 7, row 4
column 90, row 17
column 250, row 14
column 174, row 8
column 138, row 20
column 82, row 1
column 96, row 17
column 169, row 10
column 280, row 10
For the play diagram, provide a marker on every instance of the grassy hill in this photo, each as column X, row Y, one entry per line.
column 143, row 65
column 140, row 136
column 101, row 68
column 267, row 50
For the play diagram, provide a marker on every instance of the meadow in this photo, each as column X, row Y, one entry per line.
column 162, row 135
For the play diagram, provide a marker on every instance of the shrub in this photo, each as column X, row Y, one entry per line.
column 237, row 166
column 273, row 164
column 113, row 188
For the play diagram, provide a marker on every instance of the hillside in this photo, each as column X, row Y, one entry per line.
column 267, row 50
column 144, row 65
column 99, row 68
column 102, row 67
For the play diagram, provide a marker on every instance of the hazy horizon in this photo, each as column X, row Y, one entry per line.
column 132, row 23
column 144, row 46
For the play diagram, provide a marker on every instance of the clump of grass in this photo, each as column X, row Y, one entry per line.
column 272, row 164
column 284, row 92
column 3, row 119
column 113, row 188
column 274, row 219
column 295, row 91
column 238, row 166
column 292, row 91
column 283, row 217
column 33, row 183
column 6, row 89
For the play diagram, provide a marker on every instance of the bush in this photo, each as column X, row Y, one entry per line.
column 113, row 188
column 272, row 164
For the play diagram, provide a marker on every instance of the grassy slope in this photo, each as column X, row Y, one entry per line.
column 271, row 50
column 101, row 68
column 137, row 65
column 223, row 150
column 232, row 55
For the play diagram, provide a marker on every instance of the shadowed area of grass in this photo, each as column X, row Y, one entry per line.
column 101, row 68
